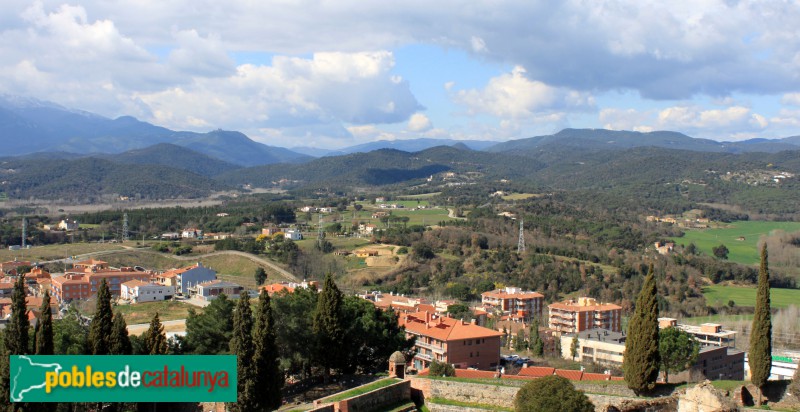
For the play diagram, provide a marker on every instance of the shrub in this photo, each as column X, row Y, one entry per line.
column 551, row 394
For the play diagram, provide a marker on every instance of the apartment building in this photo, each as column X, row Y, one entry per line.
column 574, row 316
column 708, row 334
column 517, row 304
column 137, row 291
column 448, row 340
column 608, row 348
column 72, row 285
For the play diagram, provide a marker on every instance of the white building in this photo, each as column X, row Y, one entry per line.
column 293, row 234
column 137, row 291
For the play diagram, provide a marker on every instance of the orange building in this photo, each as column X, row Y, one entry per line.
column 574, row 316
column 518, row 304
column 448, row 340
column 83, row 280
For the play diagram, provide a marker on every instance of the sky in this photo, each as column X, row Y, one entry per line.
column 335, row 73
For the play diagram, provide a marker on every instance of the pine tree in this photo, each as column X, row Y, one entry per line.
column 267, row 374
column 119, row 343
column 537, row 346
column 44, row 336
column 573, row 349
column 760, row 354
column 154, row 340
column 100, row 328
column 241, row 345
column 328, row 327
column 641, row 359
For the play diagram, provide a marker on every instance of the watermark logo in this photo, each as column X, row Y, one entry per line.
column 107, row 378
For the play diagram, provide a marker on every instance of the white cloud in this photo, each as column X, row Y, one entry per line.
column 791, row 99
column 478, row 45
column 513, row 95
column 419, row 123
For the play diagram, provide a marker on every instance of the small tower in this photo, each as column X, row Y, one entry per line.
column 521, row 241
column 397, row 365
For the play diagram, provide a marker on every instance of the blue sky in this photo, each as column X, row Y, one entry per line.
column 336, row 73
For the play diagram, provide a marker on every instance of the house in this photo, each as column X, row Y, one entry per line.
column 608, row 347
column 68, row 225
column 35, row 274
column 293, row 234
column 10, row 267
column 573, row 316
column 448, row 340
column 664, row 247
column 270, row 231
column 6, row 287
column 170, row 236
column 182, row 279
column 378, row 215
column 399, row 303
column 212, row 289
column 325, row 210
column 380, row 199
column 222, row 214
column 192, row 233
column 364, row 253
column 308, row 209
column 366, row 228
column 518, row 304
column 137, row 291
column 289, row 287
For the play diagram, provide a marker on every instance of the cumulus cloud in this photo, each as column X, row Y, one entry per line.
column 513, row 95
column 419, row 123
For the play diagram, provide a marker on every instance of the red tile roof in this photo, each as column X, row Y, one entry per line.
column 571, row 375
column 442, row 327
column 537, row 371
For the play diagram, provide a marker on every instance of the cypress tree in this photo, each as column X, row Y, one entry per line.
column 44, row 337
column 241, row 345
column 328, row 327
column 267, row 375
column 154, row 341
column 119, row 343
column 537, row 346
column 760, row 355
column 641, row 360
column 15, row 337
column 100, row 328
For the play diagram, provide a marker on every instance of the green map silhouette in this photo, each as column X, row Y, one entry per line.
column 27, row 375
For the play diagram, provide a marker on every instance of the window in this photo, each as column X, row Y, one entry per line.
column 470, row 354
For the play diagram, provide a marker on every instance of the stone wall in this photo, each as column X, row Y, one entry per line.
column 464, row 391
column 324, row 408
column 378, row 399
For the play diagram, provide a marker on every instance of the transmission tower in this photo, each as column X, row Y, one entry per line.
column 521, row 242
column 319, row 229
column 24, row 229
column 125, row 227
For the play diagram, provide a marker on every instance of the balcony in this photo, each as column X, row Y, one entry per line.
column 423, row 356
column 435, row 348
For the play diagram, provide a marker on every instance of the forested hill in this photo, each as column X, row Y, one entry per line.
column 618, row 140
column 90, row 179
column 174, row 156
column 386, row 166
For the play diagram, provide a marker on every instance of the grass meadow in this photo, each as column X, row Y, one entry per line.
column 741, row 251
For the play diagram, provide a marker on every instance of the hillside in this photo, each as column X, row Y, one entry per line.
column 90, row 179
column 30, row 125
column 174, row 156
column 383, row 167
column 614, row 140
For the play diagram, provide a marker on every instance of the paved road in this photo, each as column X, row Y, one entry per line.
column 169, row 326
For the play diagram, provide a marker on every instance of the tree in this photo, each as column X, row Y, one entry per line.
column 641, row 358
column 15, row 336
column 267, row 376
column 794, row 387
column 437, row 368
column 44, row 337
column 261, row 276
column 760, row 354
column 537, row 346
column 210, row 332
column 691, row 249
column 100, row 328
column 678, row 350
column 372, row 336
column 573, row 349
column 154, row 341
column 720, row 251
column 520, row 343
column 329, row 327
column 459, row 311
column 551, row 394
column 241, row 345
column 71, row 334
column 119, row 343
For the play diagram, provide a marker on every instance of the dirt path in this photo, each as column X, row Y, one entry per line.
column 178, row 325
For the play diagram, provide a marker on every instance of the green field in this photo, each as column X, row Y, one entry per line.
column 746, row 296
column 741, row 251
